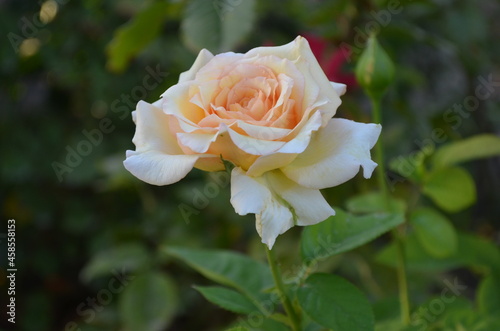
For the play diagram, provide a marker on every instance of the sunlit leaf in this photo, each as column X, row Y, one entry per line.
column 132, row 37
column 417, row 257
column 436, row 234
column 472, row 251
column 452, row 189
column 477, row 147
column 468, row 319
column 489, row 295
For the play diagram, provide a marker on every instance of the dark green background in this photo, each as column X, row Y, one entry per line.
column 72, row 83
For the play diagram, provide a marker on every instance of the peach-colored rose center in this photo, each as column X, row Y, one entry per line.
column 247, row 92
column 239, row 108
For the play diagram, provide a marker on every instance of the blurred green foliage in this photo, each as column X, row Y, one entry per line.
column 91, row 238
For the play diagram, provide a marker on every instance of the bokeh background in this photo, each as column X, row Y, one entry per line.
column 71, row 73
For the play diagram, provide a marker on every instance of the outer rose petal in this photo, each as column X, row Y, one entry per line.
column 152, row 130
column 203, row 58
column 157, row 168
column 339, row 88
column 157, row 158
column 335, row 154
column 278, row 203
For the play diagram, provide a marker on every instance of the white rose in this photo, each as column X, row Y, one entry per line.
column 269, row 112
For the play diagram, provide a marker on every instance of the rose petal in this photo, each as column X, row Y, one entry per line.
column 210, row 163
column 339, row 88
column 177, row 102
column 252, row 195
column 270, row 162
column 278, row 203
column 281, row 68
column 219, row 66
column 300, row 142
column 298, row 51
column 262, row 132
column 157, row 168
column 309, row 206
column 152, row 130
column 207, row 92
column 225, row 147
column 197, row 142
column 254, row 146
column 158, row 157
column 335, row 154
column 203, row 58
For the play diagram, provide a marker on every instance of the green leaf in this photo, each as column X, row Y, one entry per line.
column 434, row 309
column 479, row 253
column 477, row 147
column 227, row 268
column 227, row 299
column 410, row 166
column 136, row 34
column 489, row 295
column 238, row 328
column 149, row 302
column 344, row 232
column 395, row 325
column 127, row 257
column 469, row 320
column 417, row 258
column 386, row 309
column 434, row 232
column 452, row 189
column 217, row 25
column 472, row 252
column 374, row 202
column 258, row 323
column 335, row 303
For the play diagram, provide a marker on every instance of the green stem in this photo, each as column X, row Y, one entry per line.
column 290, row 311
column 402, row 280
column 404, row 301
column 379, row 153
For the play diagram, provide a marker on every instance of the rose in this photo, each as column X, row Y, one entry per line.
column 269, row 112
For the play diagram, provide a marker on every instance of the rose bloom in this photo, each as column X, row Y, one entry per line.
column 269, row 112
